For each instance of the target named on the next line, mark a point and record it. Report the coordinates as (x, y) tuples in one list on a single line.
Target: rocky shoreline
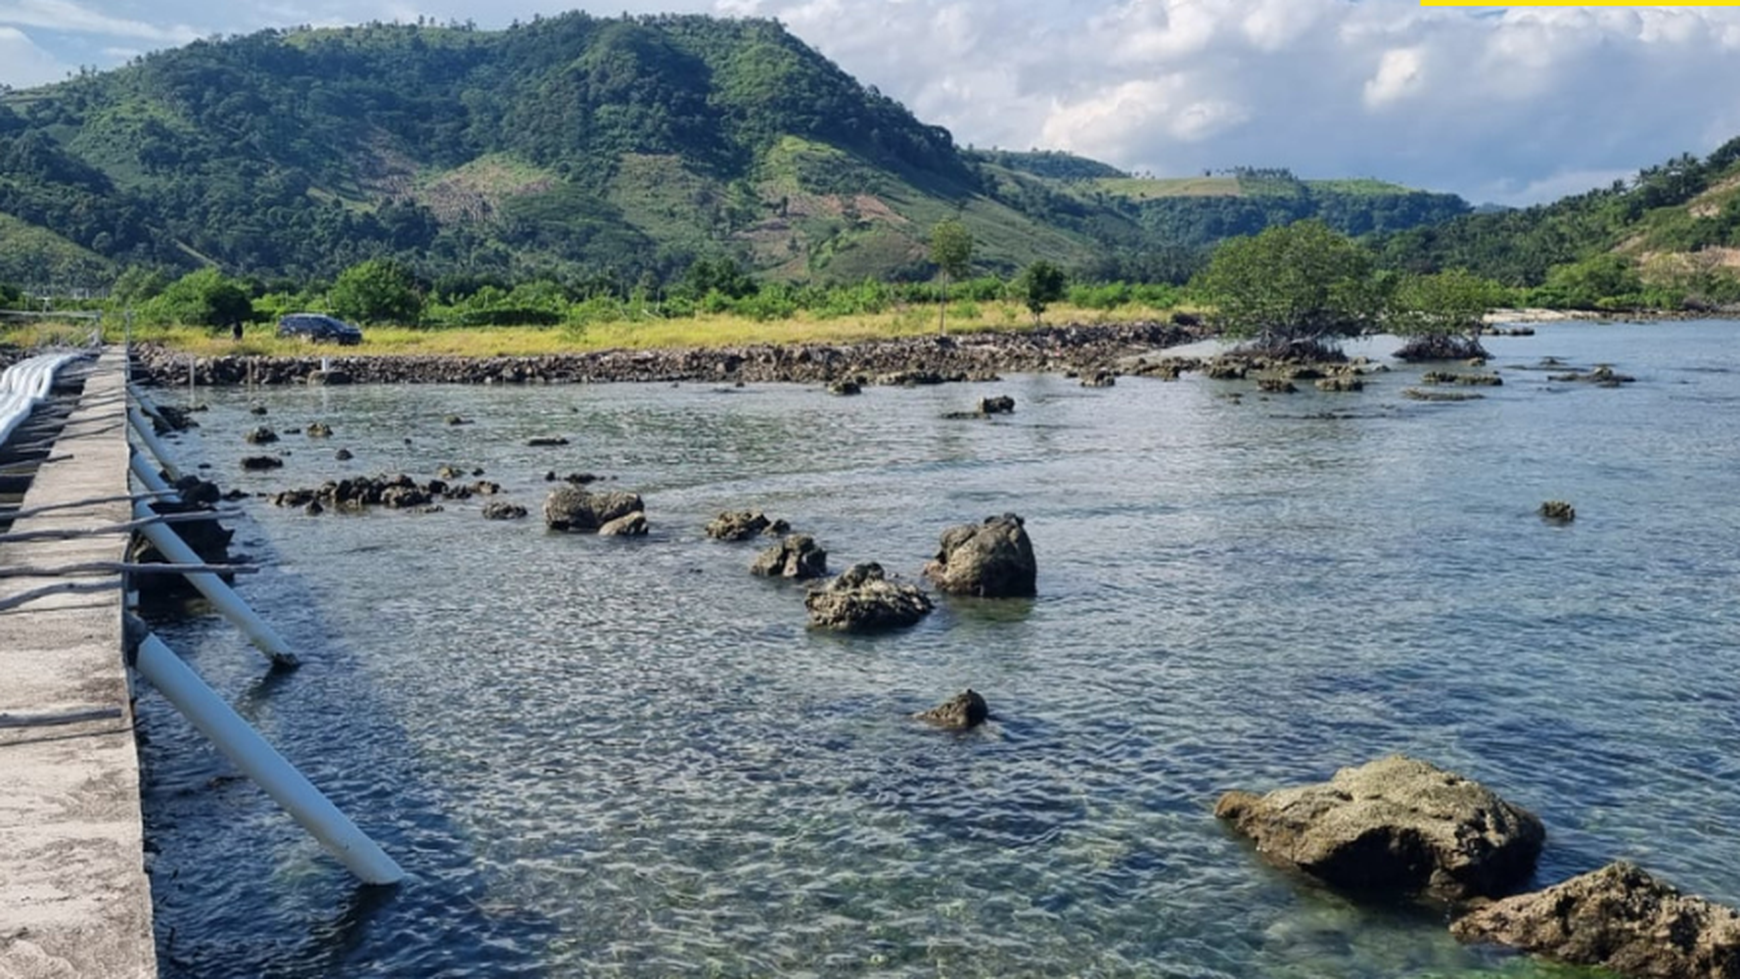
[(897, 361)]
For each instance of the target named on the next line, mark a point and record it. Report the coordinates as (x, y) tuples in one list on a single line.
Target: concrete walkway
[(74, 898)]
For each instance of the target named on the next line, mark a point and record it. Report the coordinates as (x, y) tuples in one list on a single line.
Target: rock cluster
[(862, 599), (902, 360), (1394, 826), (394, 492), (574, 509), (993, 559)]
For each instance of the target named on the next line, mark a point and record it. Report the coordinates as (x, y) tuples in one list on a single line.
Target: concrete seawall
[(74, 897)]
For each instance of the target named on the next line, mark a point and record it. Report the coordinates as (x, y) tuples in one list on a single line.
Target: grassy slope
[(850, 221), (30, 255)]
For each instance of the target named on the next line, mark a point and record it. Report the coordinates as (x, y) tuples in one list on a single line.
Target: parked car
[(319, 328)]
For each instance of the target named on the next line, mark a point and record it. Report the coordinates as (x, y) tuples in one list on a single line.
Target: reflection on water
[(630, 757)]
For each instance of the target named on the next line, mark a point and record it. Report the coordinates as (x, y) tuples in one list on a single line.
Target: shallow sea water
[(629, 757)]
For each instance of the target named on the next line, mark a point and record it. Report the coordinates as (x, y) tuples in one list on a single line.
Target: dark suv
[(319, 328)]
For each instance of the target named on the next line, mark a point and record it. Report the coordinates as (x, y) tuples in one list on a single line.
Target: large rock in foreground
[(1619, 918), (1394, 826), (862, 599), (991, 560), (572, 508)]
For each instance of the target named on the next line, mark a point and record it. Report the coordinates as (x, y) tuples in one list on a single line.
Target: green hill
[(1670, 236), (583, 148)]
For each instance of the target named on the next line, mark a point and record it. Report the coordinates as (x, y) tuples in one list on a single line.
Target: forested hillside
[(1668, 238), (577, 148)]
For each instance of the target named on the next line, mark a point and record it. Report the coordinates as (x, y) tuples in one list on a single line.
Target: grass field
[(521, 341), (1145, 188)]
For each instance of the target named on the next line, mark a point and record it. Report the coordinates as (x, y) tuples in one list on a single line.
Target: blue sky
[(1514, 106)]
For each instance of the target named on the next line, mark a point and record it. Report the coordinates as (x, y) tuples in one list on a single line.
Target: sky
[(1511, 106)]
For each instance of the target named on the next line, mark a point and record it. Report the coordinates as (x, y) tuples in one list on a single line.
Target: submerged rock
[(1394, 826), (1466, 380), (797, 556), (1417, 394), (1341, 383), (1618, 918), (962, 711), (502, 510), (259, 463), (993, 559), (1603, 375), (546, 441), (862, 599), (572, 508)]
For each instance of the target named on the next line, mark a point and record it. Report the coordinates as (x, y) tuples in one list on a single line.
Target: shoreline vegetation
[(887, 350)]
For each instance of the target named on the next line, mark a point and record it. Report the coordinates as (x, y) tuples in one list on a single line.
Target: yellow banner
[(1579, 3)]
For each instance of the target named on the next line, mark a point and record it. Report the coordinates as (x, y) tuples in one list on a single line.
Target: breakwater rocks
[(897, 361)]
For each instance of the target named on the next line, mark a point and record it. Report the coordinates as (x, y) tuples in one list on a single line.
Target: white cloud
[(1400, 73), (61, 15), (23, 64)]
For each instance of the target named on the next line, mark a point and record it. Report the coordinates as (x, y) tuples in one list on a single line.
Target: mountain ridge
[(573, 147)]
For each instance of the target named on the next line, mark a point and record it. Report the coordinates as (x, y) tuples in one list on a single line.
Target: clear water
[(615, 757)]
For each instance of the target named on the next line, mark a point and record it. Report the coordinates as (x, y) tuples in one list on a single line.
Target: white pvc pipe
[(148, 476), (145, 402), (222, 596), (142, 427), (181, 686)]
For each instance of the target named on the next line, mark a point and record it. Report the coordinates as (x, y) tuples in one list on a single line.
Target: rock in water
[(629, 525), (1558, 511), (1000, 404), (503, 511), (572, 508), (797, 556), (741, 525), (1394, 826), (263, 435), (863, 600), (962, 711), (991, 560), (1619, 918)]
